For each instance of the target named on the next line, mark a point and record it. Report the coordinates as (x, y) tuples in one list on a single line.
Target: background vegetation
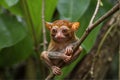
[(21, 34)]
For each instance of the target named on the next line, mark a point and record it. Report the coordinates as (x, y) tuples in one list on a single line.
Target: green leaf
[(11, 2), (72, 9), (8, 3), (11, 31), (101, 4), (16, 53), (14, 9), (50, 7), (32, 10), (3, 3)]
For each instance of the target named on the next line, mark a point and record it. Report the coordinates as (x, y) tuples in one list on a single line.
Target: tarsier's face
[(62, 30), (61, 34)]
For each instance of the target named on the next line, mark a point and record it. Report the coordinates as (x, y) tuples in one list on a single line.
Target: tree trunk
[(95, 65)]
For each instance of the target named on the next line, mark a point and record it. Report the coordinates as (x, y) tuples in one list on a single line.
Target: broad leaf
[(16, 9), (72, 9), (13, 6), (16, 53), (11, 2), (11, 31), (8, 3), (32, 10)]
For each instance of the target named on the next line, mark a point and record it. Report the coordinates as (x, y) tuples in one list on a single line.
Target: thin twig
[(91, 22), (43, 25), (95, 12), (119, 45), (90, 28)]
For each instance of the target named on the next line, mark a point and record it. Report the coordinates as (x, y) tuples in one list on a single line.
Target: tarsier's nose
[(59, 35)]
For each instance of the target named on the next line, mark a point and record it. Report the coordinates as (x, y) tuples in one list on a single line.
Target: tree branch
[(91, 27), (96, 10), (43, 25)]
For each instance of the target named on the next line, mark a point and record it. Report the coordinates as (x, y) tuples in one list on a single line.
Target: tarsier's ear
[(48, 25), (75, 26)]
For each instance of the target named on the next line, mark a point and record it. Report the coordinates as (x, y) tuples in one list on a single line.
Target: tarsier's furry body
[(60, 49)]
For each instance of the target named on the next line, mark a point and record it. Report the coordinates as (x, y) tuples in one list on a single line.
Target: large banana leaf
[(11, 31), (72, 9), (15, 44)]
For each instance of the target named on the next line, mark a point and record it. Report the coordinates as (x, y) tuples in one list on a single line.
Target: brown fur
[(62, 23)]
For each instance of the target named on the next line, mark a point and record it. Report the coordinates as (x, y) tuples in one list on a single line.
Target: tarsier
[(60, 49)]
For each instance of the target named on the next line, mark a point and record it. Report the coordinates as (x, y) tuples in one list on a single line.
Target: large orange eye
[(54, 31)]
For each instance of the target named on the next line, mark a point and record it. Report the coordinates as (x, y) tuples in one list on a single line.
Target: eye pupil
[(64, 30), (54, 31)]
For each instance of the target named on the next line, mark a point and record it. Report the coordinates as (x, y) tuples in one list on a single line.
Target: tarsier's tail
[(50, 76)]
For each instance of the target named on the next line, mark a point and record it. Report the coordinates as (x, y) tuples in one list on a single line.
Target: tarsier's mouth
[(60, 39)]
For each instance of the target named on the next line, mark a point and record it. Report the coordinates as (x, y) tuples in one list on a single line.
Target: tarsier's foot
[(56, 70)]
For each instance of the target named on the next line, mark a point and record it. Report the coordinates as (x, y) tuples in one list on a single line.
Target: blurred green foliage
[(19, 19)]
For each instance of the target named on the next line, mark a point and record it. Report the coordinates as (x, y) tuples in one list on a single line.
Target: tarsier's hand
[(69, 50), (66, 58)]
